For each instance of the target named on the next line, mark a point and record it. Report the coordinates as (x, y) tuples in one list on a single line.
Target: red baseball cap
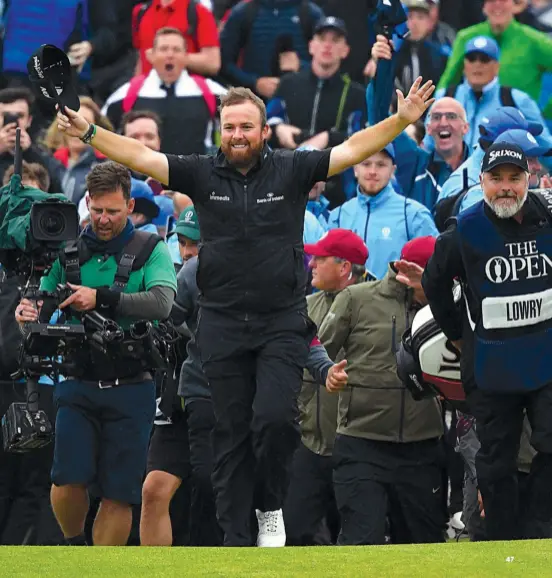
[(340, 243), (419, 250)]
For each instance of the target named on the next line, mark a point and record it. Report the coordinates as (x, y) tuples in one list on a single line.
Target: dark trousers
[(310, 497), (499, 419), (254, 370), (24, 478), (379, 480), (204, 527)]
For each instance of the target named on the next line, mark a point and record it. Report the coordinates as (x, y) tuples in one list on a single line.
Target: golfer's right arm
[(132, 154), (121, 149)]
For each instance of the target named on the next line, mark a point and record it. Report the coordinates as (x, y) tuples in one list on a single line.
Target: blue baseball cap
[(503, 119), (526, 142), (144, 199), (390, 150), (485, 45), (166, 209)]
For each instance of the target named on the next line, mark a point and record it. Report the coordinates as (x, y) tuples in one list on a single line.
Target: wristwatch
[(89, 134)]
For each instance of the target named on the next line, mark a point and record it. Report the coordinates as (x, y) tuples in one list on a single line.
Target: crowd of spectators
[(153, 71)]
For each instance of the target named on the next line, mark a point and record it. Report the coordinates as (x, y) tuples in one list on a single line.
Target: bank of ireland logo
[(497, 269)]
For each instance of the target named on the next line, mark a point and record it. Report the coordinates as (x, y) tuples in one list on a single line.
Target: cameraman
[(105, 413)]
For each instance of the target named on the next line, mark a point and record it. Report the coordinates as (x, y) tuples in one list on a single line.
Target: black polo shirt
[(251, 258)]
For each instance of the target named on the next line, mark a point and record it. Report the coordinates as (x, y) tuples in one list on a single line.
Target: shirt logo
[(524, 262), (214, 197), (270, 198), (386, 232)]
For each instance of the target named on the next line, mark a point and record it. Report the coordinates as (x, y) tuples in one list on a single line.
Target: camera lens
[(52, 223)]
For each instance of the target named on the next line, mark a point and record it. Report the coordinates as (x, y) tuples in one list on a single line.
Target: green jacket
[(367, 321), (525, 55), (317, 406)]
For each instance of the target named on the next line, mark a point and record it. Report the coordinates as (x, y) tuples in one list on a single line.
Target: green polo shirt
[(525, 55), (158, 271)]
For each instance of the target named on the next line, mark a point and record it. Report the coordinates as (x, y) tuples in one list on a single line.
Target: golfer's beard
[(243, 160), (506, 211)]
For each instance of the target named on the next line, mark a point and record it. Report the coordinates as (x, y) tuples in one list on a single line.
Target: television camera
[(34, 226)]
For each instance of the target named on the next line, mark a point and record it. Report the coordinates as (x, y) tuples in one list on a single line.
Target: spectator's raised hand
[(382, 48), (266, 86), (7, 137), (25, 140), (419, 99), (79, 53), (285, 134), (545, 182), (289, 62), (409, 274)]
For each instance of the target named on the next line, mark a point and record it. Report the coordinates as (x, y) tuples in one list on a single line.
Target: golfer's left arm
[(364, 144)]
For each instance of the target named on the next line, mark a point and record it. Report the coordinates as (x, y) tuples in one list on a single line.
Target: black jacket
[(251, 258), (193, 383), (312, 104)]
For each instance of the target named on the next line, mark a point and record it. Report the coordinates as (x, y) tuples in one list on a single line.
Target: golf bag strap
[(544, 196), (134, 256)]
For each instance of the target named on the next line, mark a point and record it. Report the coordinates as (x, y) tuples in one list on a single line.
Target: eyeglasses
[(437, 116), (475, 56)]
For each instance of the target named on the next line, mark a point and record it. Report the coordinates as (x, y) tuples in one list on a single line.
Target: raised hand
[(417, 102), (410, 274)]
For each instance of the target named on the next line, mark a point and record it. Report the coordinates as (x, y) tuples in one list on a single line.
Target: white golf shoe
[(272, 532)]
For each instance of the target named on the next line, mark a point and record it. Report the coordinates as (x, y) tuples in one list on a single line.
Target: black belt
[(109, 383)]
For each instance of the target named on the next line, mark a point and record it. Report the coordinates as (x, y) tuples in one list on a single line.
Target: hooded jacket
[(367, 321)]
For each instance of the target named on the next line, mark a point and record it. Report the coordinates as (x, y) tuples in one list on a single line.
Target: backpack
[(191, 17), (505, 94), (137, 82), (450, 206)]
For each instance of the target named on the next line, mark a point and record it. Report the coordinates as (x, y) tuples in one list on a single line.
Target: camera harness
[(132, 257)]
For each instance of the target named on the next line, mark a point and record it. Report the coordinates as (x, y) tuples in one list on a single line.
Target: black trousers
[(310, 497), (24, 478), (379, 480), (204, 527), (254, 370), (499, 419)]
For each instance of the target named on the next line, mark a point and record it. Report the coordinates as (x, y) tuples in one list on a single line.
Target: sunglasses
[(478, 56)]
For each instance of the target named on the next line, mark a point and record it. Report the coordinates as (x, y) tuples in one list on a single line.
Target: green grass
[(463, 560)]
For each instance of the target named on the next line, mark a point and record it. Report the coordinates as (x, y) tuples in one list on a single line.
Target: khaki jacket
[(367, 321), (317, 406)]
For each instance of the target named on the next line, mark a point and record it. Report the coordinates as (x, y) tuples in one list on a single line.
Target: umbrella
[(391, 22)]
